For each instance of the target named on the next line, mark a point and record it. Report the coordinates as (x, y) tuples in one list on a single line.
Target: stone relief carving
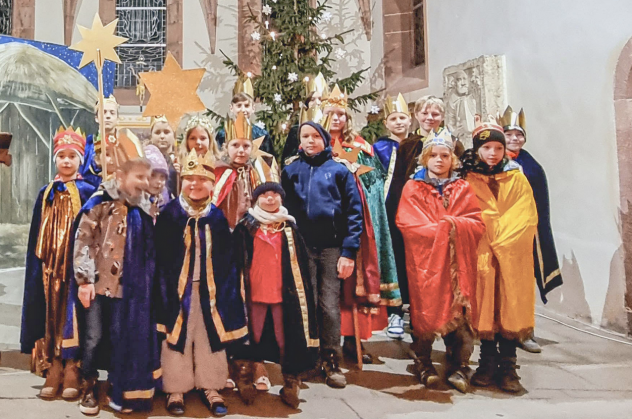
[(474, 87)]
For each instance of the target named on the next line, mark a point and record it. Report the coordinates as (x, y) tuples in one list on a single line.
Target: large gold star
[(101, 38), (173, 91)]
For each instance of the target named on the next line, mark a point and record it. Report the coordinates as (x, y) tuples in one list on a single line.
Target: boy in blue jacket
[(323, 197)]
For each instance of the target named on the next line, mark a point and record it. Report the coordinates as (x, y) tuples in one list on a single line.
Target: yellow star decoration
[(173, 91), (101, 38), (351, 157)]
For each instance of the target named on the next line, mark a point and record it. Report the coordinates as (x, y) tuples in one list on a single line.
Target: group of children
[(182, 268)]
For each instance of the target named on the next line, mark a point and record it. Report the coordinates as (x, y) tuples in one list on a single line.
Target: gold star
[(101, 38), (173, 91), (351, 157)]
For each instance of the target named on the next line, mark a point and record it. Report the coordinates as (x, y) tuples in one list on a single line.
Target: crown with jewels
[(439, 137), (316, 84), (195, 165), (244, 85), (313, 114), (510, 120), (337, 98), (396, 105), (69, 139), (199, 121), (238, 128)]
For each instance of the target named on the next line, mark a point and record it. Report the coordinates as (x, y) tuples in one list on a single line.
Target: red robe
[(441, 236)]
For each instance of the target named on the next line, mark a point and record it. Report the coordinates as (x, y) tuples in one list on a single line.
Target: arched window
[(419, 36), (144, 23), (6, 9)]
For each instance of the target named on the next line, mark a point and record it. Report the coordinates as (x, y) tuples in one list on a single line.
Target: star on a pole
[(173, 91), (98, 38)]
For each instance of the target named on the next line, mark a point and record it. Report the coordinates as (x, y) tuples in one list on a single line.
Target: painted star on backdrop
[(173, 91), (101, 38)]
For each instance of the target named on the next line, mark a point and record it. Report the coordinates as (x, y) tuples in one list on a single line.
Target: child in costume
[(198, 136), (371, 185), (547, 268), (397, 121), (243, 102), (202, 310), (158, 194), (441, 224), (114, 268), (505, 293), (163, 137), (48, 259), (324, 198), (274, 264), (91, 168)]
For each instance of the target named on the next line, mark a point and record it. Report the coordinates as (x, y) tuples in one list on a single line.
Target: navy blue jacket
[(323, 197)]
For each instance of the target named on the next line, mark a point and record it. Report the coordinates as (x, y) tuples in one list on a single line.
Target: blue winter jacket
[(323, 197)]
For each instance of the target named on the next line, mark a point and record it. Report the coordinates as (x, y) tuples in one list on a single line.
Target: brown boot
[(243, 374), (71, 381), (89, 402), (289, 392), (53, 380)]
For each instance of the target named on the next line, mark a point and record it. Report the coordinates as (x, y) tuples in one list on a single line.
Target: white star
[(374, 110), (278, 97), (266, 10), (255, 36), (292, 77), (260, 124), (340, 53), (326, 17)]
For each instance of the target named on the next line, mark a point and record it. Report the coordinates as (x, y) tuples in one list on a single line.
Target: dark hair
[(242, 97), (129, 165)]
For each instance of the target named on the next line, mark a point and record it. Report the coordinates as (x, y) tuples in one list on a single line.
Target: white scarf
[(271, 217)]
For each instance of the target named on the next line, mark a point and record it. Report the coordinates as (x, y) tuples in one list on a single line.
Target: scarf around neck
[(266, 218)]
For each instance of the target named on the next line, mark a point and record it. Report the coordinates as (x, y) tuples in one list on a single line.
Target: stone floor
[(582, 373)]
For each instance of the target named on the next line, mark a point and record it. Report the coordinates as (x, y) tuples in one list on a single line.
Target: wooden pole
[(356, 332), (99, 65)]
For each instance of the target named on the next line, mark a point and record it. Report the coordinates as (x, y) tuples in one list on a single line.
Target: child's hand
[(176, 166), (345, 267), (86, 294)]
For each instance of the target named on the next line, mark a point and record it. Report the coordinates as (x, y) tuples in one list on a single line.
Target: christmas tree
[(292, 48)]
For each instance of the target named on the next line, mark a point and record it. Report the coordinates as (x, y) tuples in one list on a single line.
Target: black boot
[(243, 374), (508, 379), (349, 351), (487, 364), (424, 369), (89, 402), (334, 377)]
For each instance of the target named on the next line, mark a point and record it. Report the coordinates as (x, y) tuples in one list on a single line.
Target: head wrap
[(156, 159)]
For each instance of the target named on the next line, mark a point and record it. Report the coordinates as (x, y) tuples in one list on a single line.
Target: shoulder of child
[(291, 160)]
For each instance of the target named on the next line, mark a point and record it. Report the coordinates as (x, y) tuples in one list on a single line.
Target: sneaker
[(215, 403), (530, 345), (175, 404), (334, 377), (118, 408), (395, 328), (89, 402)]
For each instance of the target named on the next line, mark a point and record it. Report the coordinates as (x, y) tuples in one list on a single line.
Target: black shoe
[(426, 373), (487, 365), (349, 351), (334, 377), (175, 404), (508, 379), (89, 402)]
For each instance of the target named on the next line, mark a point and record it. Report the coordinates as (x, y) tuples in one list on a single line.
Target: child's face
[(429, 117), (110, 116), (135, 181), (245, 106), (157, 183), (67, 162), (269, 201), (398, 123), (199, 140), (312, 142), (492, 153), (338, 118), (440, 161), (197, 188), (162, 137), (315, 100), (239, 151), (515, 140)]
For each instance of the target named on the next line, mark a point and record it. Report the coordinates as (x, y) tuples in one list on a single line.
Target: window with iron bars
[(144, 23), (6, 9)]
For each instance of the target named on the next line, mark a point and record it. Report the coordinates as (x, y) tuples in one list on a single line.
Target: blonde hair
[(427, 101), (425, 156), (184, 150)]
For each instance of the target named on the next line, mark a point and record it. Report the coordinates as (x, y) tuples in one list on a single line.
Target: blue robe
[(34, 304), (386, 151), (89, 170), (547, 268), (133, 361), (226, 320)]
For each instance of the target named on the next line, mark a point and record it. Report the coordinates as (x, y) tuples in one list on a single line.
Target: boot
[(89, 402), (53, 380), (424, 369), (487, 364), (244, 379), (459, 379), (289, 392), (349, 351), (509, 380), (71, 381), (334, 377)]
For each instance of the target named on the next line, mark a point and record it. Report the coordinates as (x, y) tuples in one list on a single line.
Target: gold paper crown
[(195, 165), (396, 105), (199, 121), (441, 136), (156, 119), (78, 131), (314, 114), (511, 120), (316, 84), (244, 85), (264, 172), (238, 128), (336, 98), (110, 99)]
